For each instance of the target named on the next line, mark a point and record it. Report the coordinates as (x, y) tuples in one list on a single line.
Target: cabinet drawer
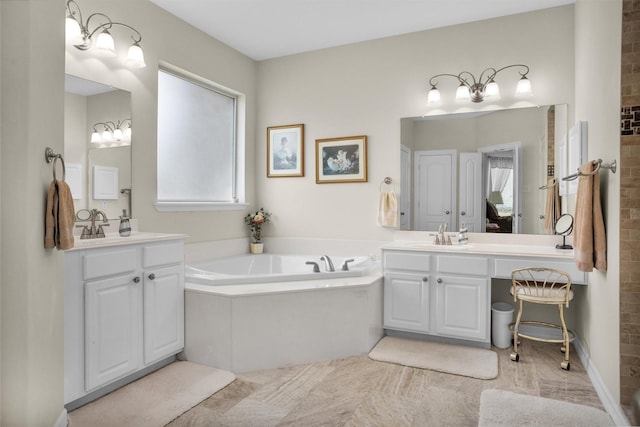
[(412, 261), (478, 266), (109, 262), (504, 267), (162, 254)]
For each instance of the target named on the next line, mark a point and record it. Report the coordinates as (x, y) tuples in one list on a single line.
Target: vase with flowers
[(255, 222)]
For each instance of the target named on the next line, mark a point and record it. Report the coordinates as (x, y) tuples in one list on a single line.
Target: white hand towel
[(388, 209)]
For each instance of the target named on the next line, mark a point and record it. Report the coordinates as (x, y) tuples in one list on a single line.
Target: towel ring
[(387, 181), (64, 169)]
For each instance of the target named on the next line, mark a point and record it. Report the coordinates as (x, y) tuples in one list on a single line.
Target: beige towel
[(552, 211), (388, 209), (589, 241), (60, 217)]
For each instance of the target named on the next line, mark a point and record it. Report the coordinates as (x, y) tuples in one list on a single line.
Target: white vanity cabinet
[(437, 294), (124, 311)]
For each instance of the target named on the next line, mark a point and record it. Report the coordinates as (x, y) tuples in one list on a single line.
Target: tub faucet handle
[(316, 268), (345, 266)]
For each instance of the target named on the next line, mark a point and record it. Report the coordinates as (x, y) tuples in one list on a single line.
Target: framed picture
[(341, 159), (285, 151)]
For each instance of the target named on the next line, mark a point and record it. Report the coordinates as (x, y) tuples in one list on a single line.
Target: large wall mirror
[(97, 146), (482, 170)]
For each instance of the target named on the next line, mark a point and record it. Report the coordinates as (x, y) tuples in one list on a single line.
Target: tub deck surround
[(114, 239)]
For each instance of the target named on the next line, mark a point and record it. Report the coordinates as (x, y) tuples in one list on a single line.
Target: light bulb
[(434, 96), (135, 56), (462, 93), (95, 137), (524, 87), (492, 90), (117, 134), (105, 45), (72, 31)]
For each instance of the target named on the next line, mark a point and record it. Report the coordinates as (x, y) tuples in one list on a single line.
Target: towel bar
[(612, 166)]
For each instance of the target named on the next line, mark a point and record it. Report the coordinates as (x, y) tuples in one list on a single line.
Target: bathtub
[(269, 268), (253, 312)]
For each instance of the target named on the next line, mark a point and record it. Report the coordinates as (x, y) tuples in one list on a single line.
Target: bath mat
[(452, 359), (504, 408), (154, 400)]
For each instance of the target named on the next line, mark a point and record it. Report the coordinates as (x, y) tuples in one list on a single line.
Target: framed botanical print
[(285, 151), (341, 159)]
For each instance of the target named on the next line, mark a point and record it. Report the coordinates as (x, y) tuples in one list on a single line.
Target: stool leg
[(565, 340), (514, 354)]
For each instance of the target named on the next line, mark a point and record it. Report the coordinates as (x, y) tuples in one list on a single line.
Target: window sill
[(198, 206)]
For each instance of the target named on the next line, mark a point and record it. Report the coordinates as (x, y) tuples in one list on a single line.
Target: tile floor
[(358, 391)]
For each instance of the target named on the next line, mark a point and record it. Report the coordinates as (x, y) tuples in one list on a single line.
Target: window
[(198, 144)]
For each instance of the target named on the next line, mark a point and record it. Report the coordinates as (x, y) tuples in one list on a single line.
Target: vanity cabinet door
[(406, 301), (112, 329), (163, 312), (462, 309)]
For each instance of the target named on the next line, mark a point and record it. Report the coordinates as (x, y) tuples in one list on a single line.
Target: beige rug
[(154, 400), (451, 359), (504, 408)]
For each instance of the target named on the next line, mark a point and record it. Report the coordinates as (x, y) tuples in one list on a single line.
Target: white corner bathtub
[(269, 268), (252, 312)]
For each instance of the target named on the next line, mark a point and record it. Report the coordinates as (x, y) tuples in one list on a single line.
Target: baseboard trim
[(62, 419), (610, 404)]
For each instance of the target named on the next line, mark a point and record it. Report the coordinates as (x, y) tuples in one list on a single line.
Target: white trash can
[(501, 317)]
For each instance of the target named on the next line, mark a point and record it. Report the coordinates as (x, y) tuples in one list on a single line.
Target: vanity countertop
[(503, 249), (115, 240)]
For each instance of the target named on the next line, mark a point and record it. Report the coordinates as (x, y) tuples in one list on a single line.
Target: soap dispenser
[(125, 225)]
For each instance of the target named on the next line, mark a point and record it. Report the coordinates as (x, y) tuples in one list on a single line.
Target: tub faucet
[(327, 262)]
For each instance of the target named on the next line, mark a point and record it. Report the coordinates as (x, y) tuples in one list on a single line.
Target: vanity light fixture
[(80, 35), (483, 87), (119, 133)]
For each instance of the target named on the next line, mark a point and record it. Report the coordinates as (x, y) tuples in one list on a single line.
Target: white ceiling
[(263, 29)]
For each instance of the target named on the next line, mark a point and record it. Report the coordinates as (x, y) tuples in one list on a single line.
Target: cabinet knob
[(136, 279), (425, 279), (439, 280), (463, 213), (151, 276), (447, 212)]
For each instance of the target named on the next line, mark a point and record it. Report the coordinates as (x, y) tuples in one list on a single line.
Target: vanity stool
[(536, 285)]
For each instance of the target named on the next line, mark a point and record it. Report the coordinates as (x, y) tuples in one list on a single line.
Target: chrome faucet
[(327, 262)]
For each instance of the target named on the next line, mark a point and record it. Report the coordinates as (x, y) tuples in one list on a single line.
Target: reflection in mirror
[(88, 104), (480, 170)]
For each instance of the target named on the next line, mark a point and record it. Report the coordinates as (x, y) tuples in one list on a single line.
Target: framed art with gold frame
[(285, 151), (341, 159)]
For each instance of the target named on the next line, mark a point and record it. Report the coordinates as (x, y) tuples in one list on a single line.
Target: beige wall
[(167, 39), (32, 284), (366, 88), (597, 82)]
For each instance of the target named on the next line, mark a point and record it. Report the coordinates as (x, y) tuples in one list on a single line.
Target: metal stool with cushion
[(542, 286)]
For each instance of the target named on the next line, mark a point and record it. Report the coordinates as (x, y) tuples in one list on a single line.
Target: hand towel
[(552, 211), (60, 217), (589, 241), (388, 209)]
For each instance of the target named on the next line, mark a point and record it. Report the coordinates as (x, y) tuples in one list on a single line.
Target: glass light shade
[(462, 93), (135, 56), (492, 90), (118, 134), (95, 137), (434, 96), (105, 45), (107, 136), (127, 133), (524, 87), (72, 31)]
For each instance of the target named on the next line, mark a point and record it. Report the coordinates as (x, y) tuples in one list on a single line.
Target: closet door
[(435, 182), (471, 197)]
